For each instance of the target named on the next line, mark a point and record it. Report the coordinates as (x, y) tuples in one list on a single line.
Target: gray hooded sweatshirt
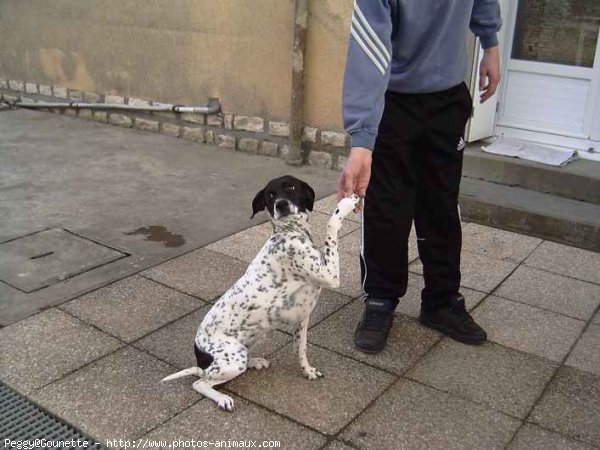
[(408, 46)]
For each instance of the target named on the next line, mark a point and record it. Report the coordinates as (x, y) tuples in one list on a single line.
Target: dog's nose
[(282, 206)]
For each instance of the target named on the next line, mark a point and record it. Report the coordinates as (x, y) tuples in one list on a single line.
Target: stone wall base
[(257, 135)]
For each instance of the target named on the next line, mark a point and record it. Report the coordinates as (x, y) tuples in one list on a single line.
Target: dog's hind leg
[(230, 360)]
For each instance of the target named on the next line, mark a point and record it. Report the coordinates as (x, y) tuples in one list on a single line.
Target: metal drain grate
[(21, 420)]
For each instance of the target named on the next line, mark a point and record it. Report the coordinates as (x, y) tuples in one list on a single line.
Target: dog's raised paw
[(258, 363), (312, 373), (347, 205)]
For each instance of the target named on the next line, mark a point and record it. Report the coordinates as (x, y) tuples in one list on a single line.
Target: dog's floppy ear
[(258, 204), (307, 195)]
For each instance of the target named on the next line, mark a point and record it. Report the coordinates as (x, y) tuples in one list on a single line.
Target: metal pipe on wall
[(296, 155), (213, 107)]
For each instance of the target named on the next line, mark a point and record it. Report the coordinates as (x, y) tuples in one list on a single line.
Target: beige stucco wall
[(327, 42), (180, 52)]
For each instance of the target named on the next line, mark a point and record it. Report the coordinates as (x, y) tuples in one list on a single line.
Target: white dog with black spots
[(279, 289)]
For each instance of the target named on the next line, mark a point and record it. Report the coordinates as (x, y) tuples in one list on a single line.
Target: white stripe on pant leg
[(362, 245)]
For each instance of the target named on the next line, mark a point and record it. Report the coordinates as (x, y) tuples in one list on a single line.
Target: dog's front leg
[(312, 373), (330, 255)]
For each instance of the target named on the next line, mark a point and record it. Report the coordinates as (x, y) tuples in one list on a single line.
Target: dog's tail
[(185, 373)]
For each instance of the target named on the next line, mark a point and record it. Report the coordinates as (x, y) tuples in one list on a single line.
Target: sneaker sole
[(451, 333), (367, 350)]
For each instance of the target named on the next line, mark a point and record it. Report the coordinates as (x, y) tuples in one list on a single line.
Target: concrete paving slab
[(531, 437), (117, 397), (478, 272), (202, 273), (174, 343), (557, 293), (104, 182), (571, 406), (45, 347), (410, 304), (326, 404), (38, 260), (351, 244), (496, 243), (586, 354), (350, 281), (205, 422), (243, 245), (408, 340), (565, 260), (528, 329), (328, 303), (414, 416), (132, 308), (500, 378)]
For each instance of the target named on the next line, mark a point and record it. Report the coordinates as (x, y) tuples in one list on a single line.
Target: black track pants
[(416, 172)]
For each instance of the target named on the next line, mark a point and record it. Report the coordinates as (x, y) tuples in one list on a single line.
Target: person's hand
[(489, 73), (355, 176)]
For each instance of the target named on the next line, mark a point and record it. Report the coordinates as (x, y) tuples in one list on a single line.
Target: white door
[(551, 80)]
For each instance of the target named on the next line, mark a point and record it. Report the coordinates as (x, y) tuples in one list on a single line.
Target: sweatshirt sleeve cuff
[(489, 40), (362, 138)]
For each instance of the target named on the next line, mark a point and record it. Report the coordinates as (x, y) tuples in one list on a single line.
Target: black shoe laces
[(459, 310), (375, 320)]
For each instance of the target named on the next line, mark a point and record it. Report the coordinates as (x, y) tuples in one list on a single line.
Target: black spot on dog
[(203, 359)]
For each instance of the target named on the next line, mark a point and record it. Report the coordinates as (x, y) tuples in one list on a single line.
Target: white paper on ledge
[(516, 148)]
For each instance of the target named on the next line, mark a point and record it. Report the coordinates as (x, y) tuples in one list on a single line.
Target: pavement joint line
[(72, 371), (512, 300), (398, 377), (146, 277), (96, 241), (29, 234), (166, 324), (272, 411), (461, 397), (596, 283), (168, 419), (552, 378)]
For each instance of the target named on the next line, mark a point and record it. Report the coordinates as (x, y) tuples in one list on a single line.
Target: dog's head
[(284, 196)]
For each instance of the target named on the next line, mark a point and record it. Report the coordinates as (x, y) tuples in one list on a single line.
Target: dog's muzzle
[(283, 208)]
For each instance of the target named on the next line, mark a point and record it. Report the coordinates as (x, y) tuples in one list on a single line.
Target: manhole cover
[(39, 260), (24, 425)]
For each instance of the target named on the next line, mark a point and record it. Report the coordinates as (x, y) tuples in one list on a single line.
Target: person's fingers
[(341, 184), (349, 181)]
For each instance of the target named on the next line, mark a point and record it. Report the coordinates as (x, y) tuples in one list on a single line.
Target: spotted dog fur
[(279, 289)]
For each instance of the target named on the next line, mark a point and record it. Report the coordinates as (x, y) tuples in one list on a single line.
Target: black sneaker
[(454, 321), (374, 327)]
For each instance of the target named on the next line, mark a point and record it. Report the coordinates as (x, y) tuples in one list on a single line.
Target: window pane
[(557, 31)]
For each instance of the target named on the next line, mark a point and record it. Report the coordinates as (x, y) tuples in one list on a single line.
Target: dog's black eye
[(271, 195), (290, 188)]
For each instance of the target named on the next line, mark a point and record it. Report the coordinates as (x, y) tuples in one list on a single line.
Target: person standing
[(405, 107)]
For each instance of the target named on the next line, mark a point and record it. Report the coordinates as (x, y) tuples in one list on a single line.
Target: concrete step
[(530, 212), (579, 180)]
